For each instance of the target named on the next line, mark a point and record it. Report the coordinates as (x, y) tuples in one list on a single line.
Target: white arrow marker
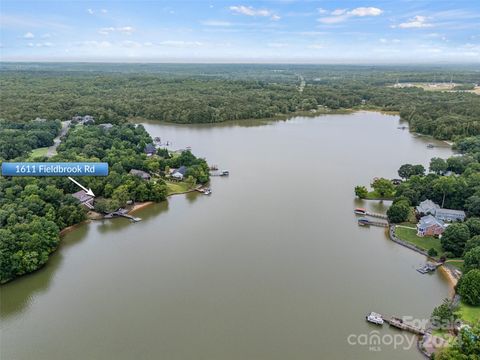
[(88, 191)]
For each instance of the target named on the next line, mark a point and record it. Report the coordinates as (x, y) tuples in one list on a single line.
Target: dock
[(428, 267), (376, 215), (398, 323), (122, 213), (367, 222)]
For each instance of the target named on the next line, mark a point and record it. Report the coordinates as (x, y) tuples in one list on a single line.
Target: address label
[(54, 169)]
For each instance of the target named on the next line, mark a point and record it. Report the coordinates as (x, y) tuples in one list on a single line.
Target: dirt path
[(52, 150)]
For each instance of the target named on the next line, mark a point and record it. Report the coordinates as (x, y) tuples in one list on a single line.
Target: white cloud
[(366, 11), (40, 44), (416, 22), (250, 11), (104, 11), (216, 23), (322, 11), (90, 11), (28, 35), (46, 36), (126, 30), (315, 46), (339, 12), (340, 15)]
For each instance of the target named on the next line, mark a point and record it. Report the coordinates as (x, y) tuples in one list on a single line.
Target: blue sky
[(357, 31)]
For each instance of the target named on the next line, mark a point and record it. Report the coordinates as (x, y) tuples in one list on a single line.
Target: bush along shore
[(33, 211)]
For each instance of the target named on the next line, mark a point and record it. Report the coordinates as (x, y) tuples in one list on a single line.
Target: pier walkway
[(122, 213)]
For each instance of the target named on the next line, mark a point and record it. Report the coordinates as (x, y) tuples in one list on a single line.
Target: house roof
[(450, 212), (182, 170), (140, 173), (82, 196), (150, 148), (427, 206), (429, 220)]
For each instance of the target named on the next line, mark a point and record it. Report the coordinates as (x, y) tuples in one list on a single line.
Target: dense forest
[(19, 138), (34, 210), (216, 93)]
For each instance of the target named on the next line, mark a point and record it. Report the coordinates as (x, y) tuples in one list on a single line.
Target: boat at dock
[(427, 268), (375, 318), (360, 211), (207, 191), (122, 213)]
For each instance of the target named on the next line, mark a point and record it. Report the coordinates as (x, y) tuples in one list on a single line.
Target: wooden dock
[(399, 324), (122, 213), (368, 222), (376, 215)]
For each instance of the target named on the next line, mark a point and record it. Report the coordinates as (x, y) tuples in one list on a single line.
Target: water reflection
[(16, 295)]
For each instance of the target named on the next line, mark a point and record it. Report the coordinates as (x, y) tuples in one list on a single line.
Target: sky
[(283, 31)]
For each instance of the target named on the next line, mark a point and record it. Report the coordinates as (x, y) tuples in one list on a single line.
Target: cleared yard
[(469, 313), (426, 243), (176, 187), (38, 153)]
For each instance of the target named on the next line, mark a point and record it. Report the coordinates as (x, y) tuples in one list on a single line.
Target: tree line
[(210, 95)]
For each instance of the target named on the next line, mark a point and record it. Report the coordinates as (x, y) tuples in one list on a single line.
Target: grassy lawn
[(426, 242), (38, 152), (373, 195), (469, 313), (457, 263), (176, 187)]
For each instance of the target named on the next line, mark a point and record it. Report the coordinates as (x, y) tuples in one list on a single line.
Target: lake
[(272, 265)]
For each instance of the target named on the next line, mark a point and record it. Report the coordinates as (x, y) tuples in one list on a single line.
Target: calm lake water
[(271, 266)]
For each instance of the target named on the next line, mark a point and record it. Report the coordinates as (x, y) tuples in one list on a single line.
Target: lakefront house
[(428, 207), (430, 226)]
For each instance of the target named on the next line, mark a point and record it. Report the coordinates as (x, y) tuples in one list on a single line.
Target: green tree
[(444, 315), (432, 252), (472, 259), (398, 212), (383, 187), (445, 185), (454, 238), (472, 205), (438, 165), (468, 287), (473, 242), (474, 226), (361, 192), (408, 170)]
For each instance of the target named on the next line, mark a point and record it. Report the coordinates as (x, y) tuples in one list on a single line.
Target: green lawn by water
[(425, 243), (176, 187), (469, 313), (373, 195)]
